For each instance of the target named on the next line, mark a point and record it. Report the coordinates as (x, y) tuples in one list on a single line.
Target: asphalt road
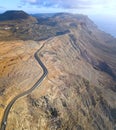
[(7, 110)]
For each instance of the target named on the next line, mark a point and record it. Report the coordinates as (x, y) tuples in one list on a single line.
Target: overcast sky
[(89, 7)]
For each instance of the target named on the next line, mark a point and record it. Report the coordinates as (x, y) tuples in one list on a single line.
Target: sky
[(89, 7)]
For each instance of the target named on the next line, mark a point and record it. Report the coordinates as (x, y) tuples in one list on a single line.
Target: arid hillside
[(16, 59), (79, 92)]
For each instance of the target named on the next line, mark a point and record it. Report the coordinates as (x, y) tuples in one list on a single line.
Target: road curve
[(7, 110)]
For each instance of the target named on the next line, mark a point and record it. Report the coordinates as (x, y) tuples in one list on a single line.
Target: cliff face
[(79, 91)]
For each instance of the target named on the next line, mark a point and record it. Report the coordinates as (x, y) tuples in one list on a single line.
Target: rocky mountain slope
[(17, 25), (79, 92)]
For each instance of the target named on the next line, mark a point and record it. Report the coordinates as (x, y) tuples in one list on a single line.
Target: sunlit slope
[(79, 91)]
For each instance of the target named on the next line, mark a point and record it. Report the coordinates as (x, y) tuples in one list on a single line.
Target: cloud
[(71, 4), (31, 1), (1, 7), (59, 3)]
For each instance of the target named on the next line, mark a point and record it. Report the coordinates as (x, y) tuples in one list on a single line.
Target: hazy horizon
[(105, 7), (101, 12), (104, 23)]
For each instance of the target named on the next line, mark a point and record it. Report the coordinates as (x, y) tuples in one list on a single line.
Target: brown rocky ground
[(71, 98), (19, 69), (79, 91)]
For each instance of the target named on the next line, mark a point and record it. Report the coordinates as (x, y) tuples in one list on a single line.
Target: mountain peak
[(14, 15)]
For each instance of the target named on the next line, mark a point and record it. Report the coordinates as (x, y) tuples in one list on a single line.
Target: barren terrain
[(79, 92), (19, 70)]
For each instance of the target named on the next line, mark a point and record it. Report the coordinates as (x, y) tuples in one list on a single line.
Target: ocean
[(105, 23)]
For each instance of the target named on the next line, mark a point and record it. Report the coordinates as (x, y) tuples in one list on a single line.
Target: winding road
[(7, 110)]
